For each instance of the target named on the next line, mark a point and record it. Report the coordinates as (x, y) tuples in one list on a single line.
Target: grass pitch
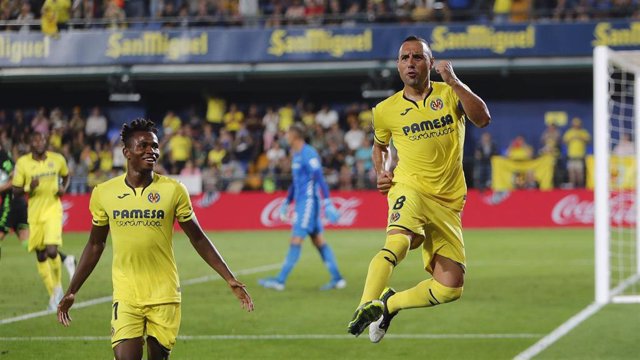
[(521, 284)]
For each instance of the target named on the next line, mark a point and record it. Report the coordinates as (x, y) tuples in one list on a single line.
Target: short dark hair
[(417, 38), (138, 124)]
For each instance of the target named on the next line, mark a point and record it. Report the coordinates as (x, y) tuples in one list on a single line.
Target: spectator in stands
[(76, 123), (179, 149), (190, 169), (171, 123), (365, 116), (40, 123), (215, 113), (62, 11), (501, 11), (550, 145), (25, 18), (625, 147), (354, 138), (576, 138), (233, 119), (326, 117), (484, 150), (295, 13), (270, 123), (519, 150), (114, 15), (286, 115), (96, 125), (217, 155), (275, 155), (365, 174)]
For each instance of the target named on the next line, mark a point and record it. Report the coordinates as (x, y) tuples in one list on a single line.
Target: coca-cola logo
[(573, 210), (347, 207), (66, 205)]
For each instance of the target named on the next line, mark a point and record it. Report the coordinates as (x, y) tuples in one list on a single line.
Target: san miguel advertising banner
[(368, 210), (374, 42)]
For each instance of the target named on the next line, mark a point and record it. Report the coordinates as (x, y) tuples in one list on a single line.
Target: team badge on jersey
[(153, 197), (395, 216), (436, 104)]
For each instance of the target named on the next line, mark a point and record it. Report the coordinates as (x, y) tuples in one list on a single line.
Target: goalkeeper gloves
[(284, 210), (330, 211)]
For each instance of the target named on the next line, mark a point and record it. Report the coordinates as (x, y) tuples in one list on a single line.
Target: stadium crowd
[(53, 15), (235, 147)]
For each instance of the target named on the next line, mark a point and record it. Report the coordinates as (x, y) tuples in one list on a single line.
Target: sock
[(289, 262), (330, 261), (381, 266), (56, 270), (426, 293), (44, 269)]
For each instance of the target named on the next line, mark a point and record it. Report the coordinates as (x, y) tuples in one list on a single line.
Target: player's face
[(38, 144), (414, 63), (143, 151)]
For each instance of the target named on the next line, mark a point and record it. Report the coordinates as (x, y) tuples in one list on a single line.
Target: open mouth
[(150, 160)]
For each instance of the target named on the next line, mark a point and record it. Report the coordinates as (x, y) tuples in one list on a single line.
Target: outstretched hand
[(240, 291), (63, 309), (330, 211), (384, 181)]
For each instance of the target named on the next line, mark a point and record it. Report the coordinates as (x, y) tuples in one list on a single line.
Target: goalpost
[(616, 111)]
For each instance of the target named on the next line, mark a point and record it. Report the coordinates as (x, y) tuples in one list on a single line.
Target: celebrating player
[(140, 208), (426, 191), (307, 178), (44, 176)]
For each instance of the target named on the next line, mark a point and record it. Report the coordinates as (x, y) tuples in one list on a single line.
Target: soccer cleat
[(379, 328), (55, 298), (334, 284), (365, 314), (271, 283), (70, 263)]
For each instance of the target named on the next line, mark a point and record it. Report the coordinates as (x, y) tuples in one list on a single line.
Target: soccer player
[(426, 191), (140, 208), (307, 180), (13, 213), (44, 176)]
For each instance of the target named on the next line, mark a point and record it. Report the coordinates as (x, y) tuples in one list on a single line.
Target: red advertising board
[(368, 210)]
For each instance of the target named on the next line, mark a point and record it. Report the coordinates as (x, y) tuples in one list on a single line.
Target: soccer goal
[(616, 110)]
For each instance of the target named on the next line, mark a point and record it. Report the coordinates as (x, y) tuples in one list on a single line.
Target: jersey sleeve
[(19, 175), (99, 215), (381, 134), (184, 210)]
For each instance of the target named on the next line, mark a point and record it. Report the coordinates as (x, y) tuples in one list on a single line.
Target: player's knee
[(444, 294)]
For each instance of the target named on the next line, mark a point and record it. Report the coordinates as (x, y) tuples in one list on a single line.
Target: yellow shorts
[(45, 233), (440, 226), (130, 321)]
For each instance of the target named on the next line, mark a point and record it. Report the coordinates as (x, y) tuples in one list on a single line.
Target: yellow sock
[(44, 269), (56, 270), (381, 266), (426, 293)]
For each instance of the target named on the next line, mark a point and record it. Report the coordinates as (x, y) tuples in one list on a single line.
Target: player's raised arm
[(474, 107), (211, 256), (90, 256)]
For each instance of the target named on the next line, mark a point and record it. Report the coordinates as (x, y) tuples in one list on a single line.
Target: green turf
[(521, 284)]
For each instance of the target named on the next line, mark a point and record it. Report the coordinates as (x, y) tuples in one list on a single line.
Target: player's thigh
[(443, 235), (36, 236), (163, 323), (53, 231), (127, 322), (405, 210), (305, 221)]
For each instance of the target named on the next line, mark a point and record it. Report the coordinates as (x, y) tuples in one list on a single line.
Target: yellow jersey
[(44, 202), (429, 138), (141, 223), (576, 140)]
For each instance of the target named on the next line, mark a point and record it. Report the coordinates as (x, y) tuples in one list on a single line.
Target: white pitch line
[(106, 299), (280, 337), (559, 332)]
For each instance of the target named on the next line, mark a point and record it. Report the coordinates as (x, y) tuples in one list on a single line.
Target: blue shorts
[(306, 219)]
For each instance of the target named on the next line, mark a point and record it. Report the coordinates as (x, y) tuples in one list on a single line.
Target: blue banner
[(375, 42)]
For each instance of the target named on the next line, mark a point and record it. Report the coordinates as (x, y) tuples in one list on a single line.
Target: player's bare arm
[(379, 156), (211, 256), (64, 185), (90, 256), (474, 107)]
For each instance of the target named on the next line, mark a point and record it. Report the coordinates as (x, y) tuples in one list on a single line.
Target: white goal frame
[(602, 151)]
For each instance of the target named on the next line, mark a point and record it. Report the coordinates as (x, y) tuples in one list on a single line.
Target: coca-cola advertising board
[(368, 210)]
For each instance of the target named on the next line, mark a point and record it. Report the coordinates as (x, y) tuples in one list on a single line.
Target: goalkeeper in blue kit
[(307, 183)]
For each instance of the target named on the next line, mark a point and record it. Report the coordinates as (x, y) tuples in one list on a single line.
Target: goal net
[(617, 184)]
